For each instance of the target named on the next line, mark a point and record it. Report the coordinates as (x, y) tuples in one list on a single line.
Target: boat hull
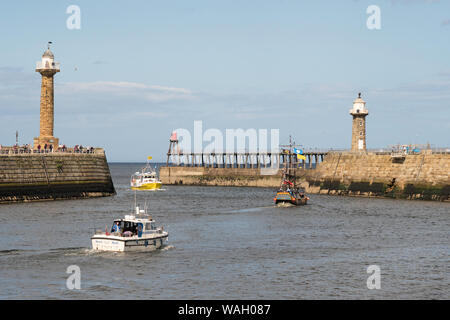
[(285, 199), (148, 186), (122, 244)]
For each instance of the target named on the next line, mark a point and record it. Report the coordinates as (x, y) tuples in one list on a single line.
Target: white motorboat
[(135, 232)]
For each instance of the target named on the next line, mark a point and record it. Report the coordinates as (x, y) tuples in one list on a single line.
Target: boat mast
[(289, 159), (291, 151)]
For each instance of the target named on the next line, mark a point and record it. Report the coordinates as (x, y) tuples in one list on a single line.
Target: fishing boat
[(289, 193), (146, 179), (135, 232)]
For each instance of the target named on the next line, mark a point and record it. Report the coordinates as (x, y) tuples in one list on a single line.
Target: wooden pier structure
[(244, 159), (252, 160)]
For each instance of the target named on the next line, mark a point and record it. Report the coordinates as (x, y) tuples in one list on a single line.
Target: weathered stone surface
[(218, 177), (420, 176), (358, 132), (33, 177), (378, 175), (47, 115)]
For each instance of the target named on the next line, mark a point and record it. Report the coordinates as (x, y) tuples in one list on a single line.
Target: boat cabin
[(129, 227), (145, 175)]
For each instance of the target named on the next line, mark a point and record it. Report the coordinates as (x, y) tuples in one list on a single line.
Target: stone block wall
[(425, 175), (34, 177), (419, 176), (242, 177)]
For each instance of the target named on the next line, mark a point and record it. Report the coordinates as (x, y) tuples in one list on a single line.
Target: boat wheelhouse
[(135, 232)]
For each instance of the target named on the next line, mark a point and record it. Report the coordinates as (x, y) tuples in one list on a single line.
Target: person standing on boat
[(116, 227)]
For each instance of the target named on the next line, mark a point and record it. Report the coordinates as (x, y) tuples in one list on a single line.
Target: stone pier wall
[(241, 177), (51, 176), (420, 176)]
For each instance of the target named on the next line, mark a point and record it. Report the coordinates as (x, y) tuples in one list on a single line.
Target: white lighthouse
[(359, 113)]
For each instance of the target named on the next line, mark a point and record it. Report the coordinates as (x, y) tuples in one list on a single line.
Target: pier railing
[(441, 150), (245, 159), (269, 160), (41, 66), (27, 150)]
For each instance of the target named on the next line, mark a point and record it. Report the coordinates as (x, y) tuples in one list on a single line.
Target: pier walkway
[(244, 159)]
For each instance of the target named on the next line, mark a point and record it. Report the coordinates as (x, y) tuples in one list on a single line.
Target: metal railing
[(358, 111), (29, 150), (47, 65)]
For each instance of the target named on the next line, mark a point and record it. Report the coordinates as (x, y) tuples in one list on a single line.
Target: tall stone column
[(359, 113), (47, 68), (47, 114)]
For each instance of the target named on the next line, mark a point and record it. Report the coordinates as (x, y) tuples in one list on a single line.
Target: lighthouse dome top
[(48, 54), (359, 99), (47, 63), (359, 106)]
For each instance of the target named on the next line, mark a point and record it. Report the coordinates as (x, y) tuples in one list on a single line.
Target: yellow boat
[(148, 186), (147, 179)]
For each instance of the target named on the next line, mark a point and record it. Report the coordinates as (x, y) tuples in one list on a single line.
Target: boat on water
[(290, 196), (135, 232), (289, 193), (146, 179)]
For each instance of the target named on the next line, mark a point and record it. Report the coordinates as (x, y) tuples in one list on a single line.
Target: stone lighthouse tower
[(47, 67), (359, 113)]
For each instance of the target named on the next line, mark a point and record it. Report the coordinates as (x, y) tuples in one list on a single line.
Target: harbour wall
[(53, 176), (424, 176), (239, 177)]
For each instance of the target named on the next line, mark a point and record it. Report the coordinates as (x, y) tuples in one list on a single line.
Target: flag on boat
[(299, 153), (149, 158)]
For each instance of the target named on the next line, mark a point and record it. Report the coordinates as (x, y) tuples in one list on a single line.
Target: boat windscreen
[(130, 226)]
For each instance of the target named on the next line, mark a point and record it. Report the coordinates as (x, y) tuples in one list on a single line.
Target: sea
[(228, 243)]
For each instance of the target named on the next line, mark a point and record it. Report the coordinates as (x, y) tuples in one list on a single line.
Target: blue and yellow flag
[(298, 151)]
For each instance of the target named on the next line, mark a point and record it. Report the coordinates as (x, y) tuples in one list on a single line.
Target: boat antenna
[(145, 206), (148, 162)]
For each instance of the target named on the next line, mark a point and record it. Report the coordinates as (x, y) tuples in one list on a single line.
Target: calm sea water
[(229, 243)]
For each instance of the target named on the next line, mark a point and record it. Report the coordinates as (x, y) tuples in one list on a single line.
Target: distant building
[(359, 113)]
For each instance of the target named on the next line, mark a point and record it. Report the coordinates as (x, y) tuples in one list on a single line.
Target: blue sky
[(136, 70)]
